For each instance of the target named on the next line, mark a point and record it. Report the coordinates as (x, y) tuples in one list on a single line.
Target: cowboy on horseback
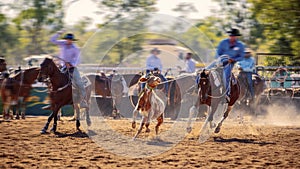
[(69, 54), (229, 51), (247, 67), (154, 65)]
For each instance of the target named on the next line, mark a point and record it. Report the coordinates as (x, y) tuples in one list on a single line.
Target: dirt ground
[(237, 146)]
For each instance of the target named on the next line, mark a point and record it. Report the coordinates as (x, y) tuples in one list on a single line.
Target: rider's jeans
[(227, 77), (249, 82), (78, 82)]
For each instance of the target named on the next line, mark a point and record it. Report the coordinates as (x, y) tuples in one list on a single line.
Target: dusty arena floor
[(237, 146)]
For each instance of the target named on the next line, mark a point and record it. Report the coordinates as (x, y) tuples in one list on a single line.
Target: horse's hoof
[(217, 130), (17, 117), (189, 129), (23, 116), (88, 122), (43, 131), (133, 125), (147, 130), (53, 129), (77, 124), (212, 125)]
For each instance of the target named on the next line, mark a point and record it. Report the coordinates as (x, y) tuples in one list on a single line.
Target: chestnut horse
[(210, 93), (18, 90), (61, 93)]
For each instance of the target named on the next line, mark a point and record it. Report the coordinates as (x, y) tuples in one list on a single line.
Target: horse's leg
[(45, 128), (115, 111), (147, 125), (217, 130), (135, 113), (87, 109), (140, 128), (22, 107), (160, 120), (77, 115), (192, 111), (54, 127), (211, 111), (15, 110), (6, 113), (87, 116)]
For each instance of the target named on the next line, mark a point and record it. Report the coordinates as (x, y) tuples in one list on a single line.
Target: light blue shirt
[(247, 64), (235, 52), (153, 62), (69, 53), (190, 66)]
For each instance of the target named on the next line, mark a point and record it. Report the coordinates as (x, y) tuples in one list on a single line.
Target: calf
[(149, 105)]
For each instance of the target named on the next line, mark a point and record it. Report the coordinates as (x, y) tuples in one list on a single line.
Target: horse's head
[(46, 69), (151, 80), (204, 86)]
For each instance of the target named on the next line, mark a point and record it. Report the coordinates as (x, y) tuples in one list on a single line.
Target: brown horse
[(18, 90), (108, 87), (173, 94), (210, 93), (61, 93), (259, 87), (150, 105)]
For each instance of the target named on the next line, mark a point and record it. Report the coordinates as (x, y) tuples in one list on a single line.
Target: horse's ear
[(203, 74)]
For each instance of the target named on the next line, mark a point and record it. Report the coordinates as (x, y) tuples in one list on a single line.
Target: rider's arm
[(54, 39), (220, 49)]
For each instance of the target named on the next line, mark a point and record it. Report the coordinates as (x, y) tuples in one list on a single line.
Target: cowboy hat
[(69, 36), (155, 49), (234, 32)]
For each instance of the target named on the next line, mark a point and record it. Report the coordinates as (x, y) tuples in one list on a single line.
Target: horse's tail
[(172, 90)]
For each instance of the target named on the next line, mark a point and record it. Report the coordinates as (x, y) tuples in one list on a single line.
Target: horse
[(19, 91), (149, 105), (259, 87), (173, 94), (210, 93), (61, 93), (108, 87)]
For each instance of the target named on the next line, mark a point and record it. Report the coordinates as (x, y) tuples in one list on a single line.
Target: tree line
[(267, 26)]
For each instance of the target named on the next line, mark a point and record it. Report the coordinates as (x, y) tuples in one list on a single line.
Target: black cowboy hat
[(234, 32), (69, 36)]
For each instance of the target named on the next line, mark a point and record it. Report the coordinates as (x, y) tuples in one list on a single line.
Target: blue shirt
[(247, 64), (235, 52), (190, 66), (69, 53), (153, 62)]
